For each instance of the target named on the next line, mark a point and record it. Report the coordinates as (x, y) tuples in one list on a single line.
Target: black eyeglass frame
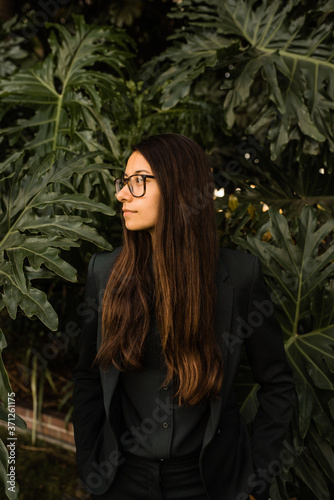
[(127, 183)]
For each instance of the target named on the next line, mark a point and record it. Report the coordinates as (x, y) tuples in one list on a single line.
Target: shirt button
[(165, 425), (218, 432), (161, 459), (165, 387)]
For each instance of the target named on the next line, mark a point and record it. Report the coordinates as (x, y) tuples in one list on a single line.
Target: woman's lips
[(128, 212)]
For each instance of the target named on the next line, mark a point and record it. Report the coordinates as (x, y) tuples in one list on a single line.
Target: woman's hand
[(251, 497)]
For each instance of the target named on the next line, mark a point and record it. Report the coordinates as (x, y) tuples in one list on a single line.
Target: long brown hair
[(176, 281)]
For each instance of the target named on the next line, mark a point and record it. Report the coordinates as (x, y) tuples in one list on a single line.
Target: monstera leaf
[(299, 267), (260, 73), (284, 46), (66, 92), (298, 458), (40, 217), (274, 61), (11, 51)]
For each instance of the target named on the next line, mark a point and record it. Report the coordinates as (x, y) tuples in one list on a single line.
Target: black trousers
[(141, 479)]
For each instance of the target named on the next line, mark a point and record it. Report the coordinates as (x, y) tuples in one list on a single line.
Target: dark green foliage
[(299, 266), (253, 82), (259, 69)]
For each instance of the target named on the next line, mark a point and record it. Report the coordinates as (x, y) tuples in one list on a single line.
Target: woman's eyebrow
[(137, 172)]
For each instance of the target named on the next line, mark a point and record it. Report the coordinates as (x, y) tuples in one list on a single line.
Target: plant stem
[(33, 385)]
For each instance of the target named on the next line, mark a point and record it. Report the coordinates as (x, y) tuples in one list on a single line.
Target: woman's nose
[(124, 194)]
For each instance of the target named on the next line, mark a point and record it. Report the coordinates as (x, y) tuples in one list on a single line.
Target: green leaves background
[(66, 92), (52, 167), (253, 83), (299, 269), (260, 69), (34, 232)]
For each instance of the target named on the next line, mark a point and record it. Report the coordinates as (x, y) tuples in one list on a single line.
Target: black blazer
[(231, 465)]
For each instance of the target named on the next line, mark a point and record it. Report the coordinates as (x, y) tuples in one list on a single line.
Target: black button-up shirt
[(155, 426)]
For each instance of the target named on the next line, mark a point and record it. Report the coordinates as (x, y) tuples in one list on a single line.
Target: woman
[(165, 321)]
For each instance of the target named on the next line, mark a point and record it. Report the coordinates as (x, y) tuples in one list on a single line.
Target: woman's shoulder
[(236, 257), (236, 266), (101, 264), (105, 258)]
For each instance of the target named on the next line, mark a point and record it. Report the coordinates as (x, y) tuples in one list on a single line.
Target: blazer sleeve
[(265, 351), (88, 412)]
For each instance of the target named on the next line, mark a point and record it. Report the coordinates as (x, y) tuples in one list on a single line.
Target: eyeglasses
[(136, 184)]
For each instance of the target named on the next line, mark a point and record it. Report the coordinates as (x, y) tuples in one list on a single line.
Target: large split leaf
[(274, 61), (11, 52), (193, 56), (296, 270), (284, 46), (311, 460), (41, 217), (55, 111), (299, 266), (67, 93), (311, 357)]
